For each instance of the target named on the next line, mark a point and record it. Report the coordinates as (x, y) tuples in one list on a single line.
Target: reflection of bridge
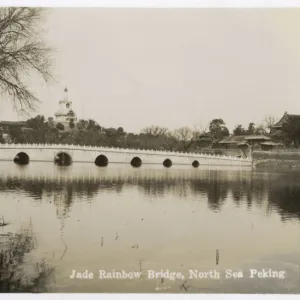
[(101, 156), (114, 173), (84, 181)]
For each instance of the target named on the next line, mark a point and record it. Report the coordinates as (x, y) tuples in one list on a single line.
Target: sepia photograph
[(149, 150)]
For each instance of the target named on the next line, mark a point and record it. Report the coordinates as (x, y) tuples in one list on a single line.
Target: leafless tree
[(186, 136), (261, 129), (155, 130), (183, 134), (199, 130), (22, 53), (269, 121)]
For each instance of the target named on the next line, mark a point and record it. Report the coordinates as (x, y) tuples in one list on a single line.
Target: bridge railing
[(126, 150)]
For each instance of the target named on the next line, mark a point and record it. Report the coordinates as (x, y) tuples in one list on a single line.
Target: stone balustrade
[(103, 149)]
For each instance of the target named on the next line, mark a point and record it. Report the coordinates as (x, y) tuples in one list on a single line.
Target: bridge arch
[(195, 164), (101, 161), (22, 158), (167, 163), (136, 162), (63, 158)]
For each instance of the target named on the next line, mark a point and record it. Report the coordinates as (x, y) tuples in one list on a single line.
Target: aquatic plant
[(14, 251)]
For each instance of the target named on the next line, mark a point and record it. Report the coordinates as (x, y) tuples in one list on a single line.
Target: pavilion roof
[(233, 139), (257, 138)]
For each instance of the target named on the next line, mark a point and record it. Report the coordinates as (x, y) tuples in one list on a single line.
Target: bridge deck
[(77, 153)]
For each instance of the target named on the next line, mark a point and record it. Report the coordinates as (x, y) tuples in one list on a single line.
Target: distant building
[(277, 131), (270, 145), (256, 141), (65, 114), (6, 126), (204, 141), (285, 119), (230, 142), (238, 141)]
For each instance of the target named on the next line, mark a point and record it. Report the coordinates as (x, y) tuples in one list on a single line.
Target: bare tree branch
[(183, 133), (22, 52), (270, 121), (155, 130)]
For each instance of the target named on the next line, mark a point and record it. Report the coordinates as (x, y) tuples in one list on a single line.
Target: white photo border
[(153, 4), (156, 3)]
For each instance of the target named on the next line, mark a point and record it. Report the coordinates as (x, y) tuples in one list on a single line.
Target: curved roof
[(286, 117), (233, 139), (257, 137)]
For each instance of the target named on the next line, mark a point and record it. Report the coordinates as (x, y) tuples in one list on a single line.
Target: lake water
[(152, 218)]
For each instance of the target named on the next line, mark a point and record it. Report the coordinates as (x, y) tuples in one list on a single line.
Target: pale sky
[(172, 67)]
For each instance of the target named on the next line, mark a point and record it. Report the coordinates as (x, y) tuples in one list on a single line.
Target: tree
[(93, 125), (82, 124), (260, 130), (52, 135), (39, 128), (16, 134), (71, 123), (217, 129), (36, 122), (251, 128), (2, 140), (239, 130), (199, 129), (111, 132), (22, 52), (120, 131), (269, 122), (154, 130), (50, 121), (185, 136), (60, 126)]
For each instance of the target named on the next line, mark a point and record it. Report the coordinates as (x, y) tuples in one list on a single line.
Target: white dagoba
[(65, 113)]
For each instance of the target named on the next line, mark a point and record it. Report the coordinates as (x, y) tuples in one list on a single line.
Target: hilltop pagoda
[(65, 114)]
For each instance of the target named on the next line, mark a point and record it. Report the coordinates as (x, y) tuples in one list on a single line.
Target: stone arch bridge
[(102, 156)]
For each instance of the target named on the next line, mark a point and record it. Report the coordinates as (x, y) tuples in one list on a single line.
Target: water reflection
[(177, 217), (284, 193), (271, 192)]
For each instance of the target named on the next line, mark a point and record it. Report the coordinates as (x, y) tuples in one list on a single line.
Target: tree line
[(89, 132)]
